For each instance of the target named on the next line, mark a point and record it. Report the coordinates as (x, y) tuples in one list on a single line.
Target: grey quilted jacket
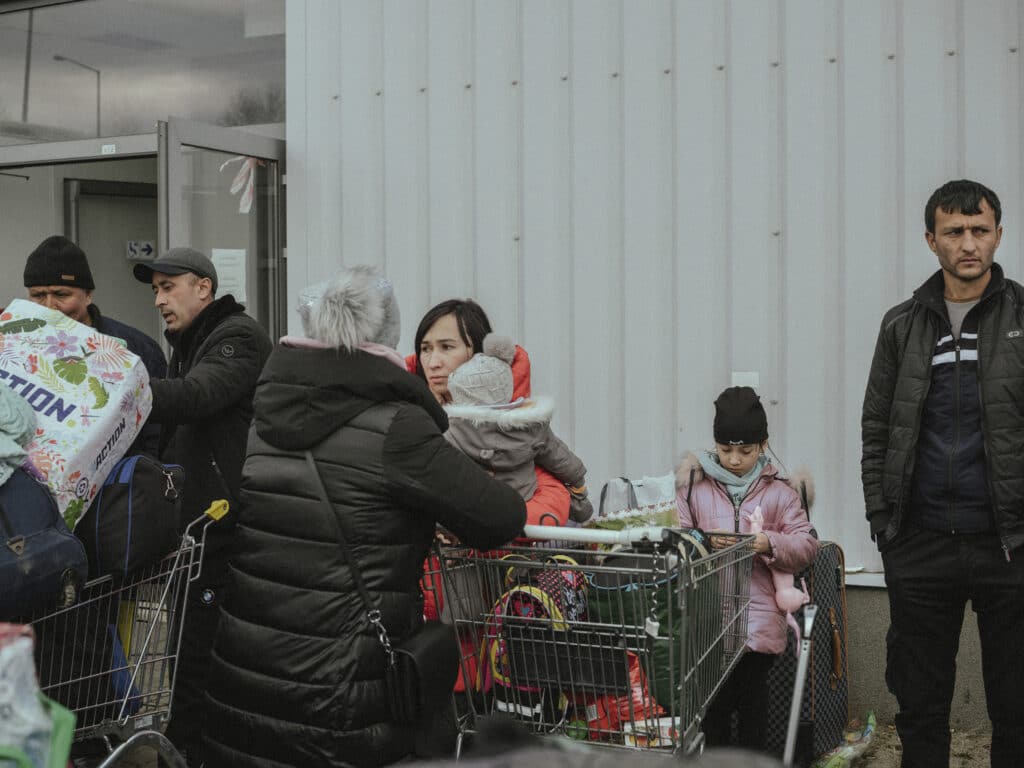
[(509, 442)]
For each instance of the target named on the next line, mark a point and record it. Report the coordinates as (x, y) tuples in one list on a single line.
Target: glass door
[(218, 190), (221, 194)]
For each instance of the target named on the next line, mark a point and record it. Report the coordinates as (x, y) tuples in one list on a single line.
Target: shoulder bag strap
[(372, 613), (357, 577)]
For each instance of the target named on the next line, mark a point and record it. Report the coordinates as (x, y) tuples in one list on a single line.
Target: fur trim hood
[(533, 412)]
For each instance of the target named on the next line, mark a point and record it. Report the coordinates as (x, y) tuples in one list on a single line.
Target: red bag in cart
[(608, 715)]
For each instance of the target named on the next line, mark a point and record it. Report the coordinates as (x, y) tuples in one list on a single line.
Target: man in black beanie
[(57, 276)]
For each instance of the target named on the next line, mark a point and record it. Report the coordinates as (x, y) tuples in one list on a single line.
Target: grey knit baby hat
[(486, 378)]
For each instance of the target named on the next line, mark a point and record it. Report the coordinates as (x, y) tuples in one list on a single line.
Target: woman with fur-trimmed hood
[(297, 677), (509, 439)]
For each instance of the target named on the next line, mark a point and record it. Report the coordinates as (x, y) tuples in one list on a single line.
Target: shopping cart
[(622, 648), (110, 657)]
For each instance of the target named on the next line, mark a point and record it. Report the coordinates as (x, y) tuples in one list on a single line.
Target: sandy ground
[(970, 749)]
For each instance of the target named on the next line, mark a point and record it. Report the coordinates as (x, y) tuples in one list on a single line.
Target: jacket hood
[(304, 394), (930, 292), (530, 414)]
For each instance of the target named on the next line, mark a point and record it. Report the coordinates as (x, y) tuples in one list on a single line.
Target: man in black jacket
[(943, 440), (57, 276), (205, 407)]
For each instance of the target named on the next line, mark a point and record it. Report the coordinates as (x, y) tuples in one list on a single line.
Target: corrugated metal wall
[(653, 195)]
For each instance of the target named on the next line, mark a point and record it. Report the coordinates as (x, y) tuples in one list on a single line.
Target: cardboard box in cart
[(90, 394)]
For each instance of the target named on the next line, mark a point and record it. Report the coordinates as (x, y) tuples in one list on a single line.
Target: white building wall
[(652, 195)]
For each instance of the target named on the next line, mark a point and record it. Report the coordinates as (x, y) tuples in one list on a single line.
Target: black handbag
[(133, 522), (42, 564), (420, 671)]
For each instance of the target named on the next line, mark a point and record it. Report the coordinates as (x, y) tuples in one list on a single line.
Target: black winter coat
[(297, 672), (205, 408), (898, 386)]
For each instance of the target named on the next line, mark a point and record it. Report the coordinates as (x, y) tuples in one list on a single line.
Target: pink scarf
[(301, 342)]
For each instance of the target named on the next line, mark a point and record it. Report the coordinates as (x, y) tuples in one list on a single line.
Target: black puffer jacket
[(898, 387), (297, 674)]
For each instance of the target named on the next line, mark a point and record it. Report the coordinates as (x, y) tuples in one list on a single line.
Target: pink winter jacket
[(787, 527)]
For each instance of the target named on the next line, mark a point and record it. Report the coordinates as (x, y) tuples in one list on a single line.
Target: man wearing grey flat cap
[(205, 406)]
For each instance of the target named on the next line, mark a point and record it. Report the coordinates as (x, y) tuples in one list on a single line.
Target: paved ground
[(970, 749)]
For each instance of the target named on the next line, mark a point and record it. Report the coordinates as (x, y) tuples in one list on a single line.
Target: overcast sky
[(156, 57)]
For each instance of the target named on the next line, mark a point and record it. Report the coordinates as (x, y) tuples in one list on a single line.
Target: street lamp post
[(58, 57)]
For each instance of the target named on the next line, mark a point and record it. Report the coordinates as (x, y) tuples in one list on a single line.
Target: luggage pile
[(76, 508)]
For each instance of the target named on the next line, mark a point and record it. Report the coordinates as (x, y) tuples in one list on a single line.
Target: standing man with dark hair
[(57, 276), (943, 476), (205, 407)]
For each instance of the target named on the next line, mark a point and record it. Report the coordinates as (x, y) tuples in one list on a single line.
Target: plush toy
[(788, 596)]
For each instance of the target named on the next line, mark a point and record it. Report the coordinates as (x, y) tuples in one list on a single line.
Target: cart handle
[(595, 536), (217, 509)]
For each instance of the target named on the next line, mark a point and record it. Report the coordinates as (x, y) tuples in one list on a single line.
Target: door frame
[(79, 150), (173, 135), (75, 189)]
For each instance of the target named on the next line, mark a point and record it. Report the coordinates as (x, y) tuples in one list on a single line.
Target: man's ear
[(205, 287), (929, 237)]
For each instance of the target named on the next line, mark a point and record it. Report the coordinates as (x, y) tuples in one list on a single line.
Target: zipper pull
[(1006, 551), (170, 492)]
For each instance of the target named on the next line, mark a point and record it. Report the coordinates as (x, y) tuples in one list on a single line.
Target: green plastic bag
[(60, 740)]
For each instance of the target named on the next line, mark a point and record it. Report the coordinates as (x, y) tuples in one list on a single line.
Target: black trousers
[(930, 577), (744, 696)]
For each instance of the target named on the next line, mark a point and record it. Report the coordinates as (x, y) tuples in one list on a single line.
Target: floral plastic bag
[(90, 394)]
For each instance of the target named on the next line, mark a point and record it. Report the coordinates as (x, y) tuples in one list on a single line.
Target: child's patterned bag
[(90, 394)]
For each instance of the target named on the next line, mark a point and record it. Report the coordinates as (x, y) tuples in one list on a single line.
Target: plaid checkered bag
[(824, 711)]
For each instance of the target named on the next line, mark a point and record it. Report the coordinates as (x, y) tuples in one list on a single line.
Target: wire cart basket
[(624, 648), (109, 658)]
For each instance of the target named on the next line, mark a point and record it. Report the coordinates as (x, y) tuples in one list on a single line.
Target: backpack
[(134, 520), (42, 565), (531, 643)]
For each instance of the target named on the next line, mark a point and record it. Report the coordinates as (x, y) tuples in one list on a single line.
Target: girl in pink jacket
[(737, 478)]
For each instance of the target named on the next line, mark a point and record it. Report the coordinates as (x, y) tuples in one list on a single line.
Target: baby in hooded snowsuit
[(509, 438)]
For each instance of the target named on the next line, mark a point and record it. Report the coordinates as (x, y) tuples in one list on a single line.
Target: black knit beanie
[(740, 418), (58, 261)]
